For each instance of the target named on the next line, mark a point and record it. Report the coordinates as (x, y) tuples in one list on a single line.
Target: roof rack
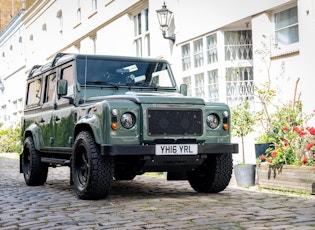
[(35, 67), (48, 65), (57, 57)]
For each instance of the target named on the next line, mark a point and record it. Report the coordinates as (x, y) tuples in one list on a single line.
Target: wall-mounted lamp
[(165, 17)]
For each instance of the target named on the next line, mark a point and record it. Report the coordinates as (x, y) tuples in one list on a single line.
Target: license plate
[(180, 149)]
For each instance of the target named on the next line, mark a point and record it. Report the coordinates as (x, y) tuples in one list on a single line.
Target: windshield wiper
[(103, 83), (142, 85)]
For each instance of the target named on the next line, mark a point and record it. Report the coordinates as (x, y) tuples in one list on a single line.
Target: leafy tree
[(242, 122)]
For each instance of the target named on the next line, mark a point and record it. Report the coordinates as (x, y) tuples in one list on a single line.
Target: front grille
[(175, 122)]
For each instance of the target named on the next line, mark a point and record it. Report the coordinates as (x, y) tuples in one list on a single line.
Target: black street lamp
[(165, 16)]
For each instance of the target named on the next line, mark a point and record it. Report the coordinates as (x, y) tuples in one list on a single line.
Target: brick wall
[(9, 9)]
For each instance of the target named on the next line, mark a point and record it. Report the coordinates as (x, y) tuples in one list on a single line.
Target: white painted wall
[(113, 27)]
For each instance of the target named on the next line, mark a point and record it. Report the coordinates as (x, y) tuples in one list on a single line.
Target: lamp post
[(165, 16)]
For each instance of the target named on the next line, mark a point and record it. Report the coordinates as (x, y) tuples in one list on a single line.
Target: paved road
[(144, 203)]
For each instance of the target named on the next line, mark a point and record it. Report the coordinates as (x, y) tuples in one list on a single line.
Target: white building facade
[(217, 51)]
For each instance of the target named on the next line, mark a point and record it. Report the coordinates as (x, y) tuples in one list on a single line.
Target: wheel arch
[(93, 124), (35, 132)]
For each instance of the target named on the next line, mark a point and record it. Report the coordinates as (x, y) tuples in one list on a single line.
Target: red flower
[(285, 128), (302, 133), (304, 160), (312, 131), (296, 129), (309, 146), (262, 157), (269, 159), (285, 142), (273, 154)]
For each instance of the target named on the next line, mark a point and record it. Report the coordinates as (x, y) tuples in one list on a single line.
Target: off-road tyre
[(35, 172), (213, 175), (92, 174)]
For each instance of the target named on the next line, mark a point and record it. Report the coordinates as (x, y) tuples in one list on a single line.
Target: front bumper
[(149, 150)]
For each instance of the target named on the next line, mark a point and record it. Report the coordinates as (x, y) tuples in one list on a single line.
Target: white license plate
[(180, 149)]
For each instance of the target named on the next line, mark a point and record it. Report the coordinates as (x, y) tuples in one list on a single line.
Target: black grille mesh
[(175, 122)]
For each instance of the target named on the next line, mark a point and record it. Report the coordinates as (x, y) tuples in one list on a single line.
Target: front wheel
[(34, 171), (92, 174), (213, 175)]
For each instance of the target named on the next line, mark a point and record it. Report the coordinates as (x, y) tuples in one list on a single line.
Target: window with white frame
[(238, 45), (213, 85), (94, 5), (198, 53), (212, 51), (227, 77), (141, 33), (93, 40), (79, 15), (286, 26), (199, 85), (3, 113), (239, 85), (186, 63), (187, 81), (60, 17)]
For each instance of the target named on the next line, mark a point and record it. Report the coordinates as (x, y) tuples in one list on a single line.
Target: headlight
[(128, 120), (212, 121)]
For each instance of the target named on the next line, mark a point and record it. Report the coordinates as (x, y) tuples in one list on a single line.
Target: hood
[(156, 98)]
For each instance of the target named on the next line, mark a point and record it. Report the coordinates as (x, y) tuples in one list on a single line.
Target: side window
[(67, 74), (287, 26), (33, 92), (50, 87)]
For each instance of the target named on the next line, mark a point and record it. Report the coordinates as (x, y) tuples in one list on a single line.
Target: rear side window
[(34, 92), (67, 74), (50, 87)]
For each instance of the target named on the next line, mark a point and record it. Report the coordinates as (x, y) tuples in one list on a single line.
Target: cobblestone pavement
[(145, 203)]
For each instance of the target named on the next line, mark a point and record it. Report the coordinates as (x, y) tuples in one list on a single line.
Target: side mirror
[(183, 89), (62, 87)]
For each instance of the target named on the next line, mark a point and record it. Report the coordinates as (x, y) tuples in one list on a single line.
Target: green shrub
[(10, 140)]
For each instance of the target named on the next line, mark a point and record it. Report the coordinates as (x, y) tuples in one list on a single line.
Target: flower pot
[(287, 177), (245, 175), (260, 149)]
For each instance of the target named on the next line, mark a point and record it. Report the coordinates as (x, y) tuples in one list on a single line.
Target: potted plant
[(242, 124), (266, 140)]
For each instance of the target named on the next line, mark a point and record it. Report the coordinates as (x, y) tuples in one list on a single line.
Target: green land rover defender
[(110, 117)]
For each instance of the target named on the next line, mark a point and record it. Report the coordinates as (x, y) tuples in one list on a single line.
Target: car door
[(64, 117), (45, 116)]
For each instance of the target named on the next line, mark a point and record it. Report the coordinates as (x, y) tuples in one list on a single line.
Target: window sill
[(91, 15), (77, 25), (283, 51), (109, 2)]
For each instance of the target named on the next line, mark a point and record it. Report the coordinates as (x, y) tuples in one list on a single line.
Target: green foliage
[(10, 140), (242, 122), (288, 116), (265, 95)]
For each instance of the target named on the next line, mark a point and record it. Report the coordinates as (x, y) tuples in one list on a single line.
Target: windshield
[(119, 73)]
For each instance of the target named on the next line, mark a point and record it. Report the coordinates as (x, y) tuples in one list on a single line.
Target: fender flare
[(92, 123), (36, 133)]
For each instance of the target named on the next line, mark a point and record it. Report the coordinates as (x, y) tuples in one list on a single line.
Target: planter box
[(287, 177)]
